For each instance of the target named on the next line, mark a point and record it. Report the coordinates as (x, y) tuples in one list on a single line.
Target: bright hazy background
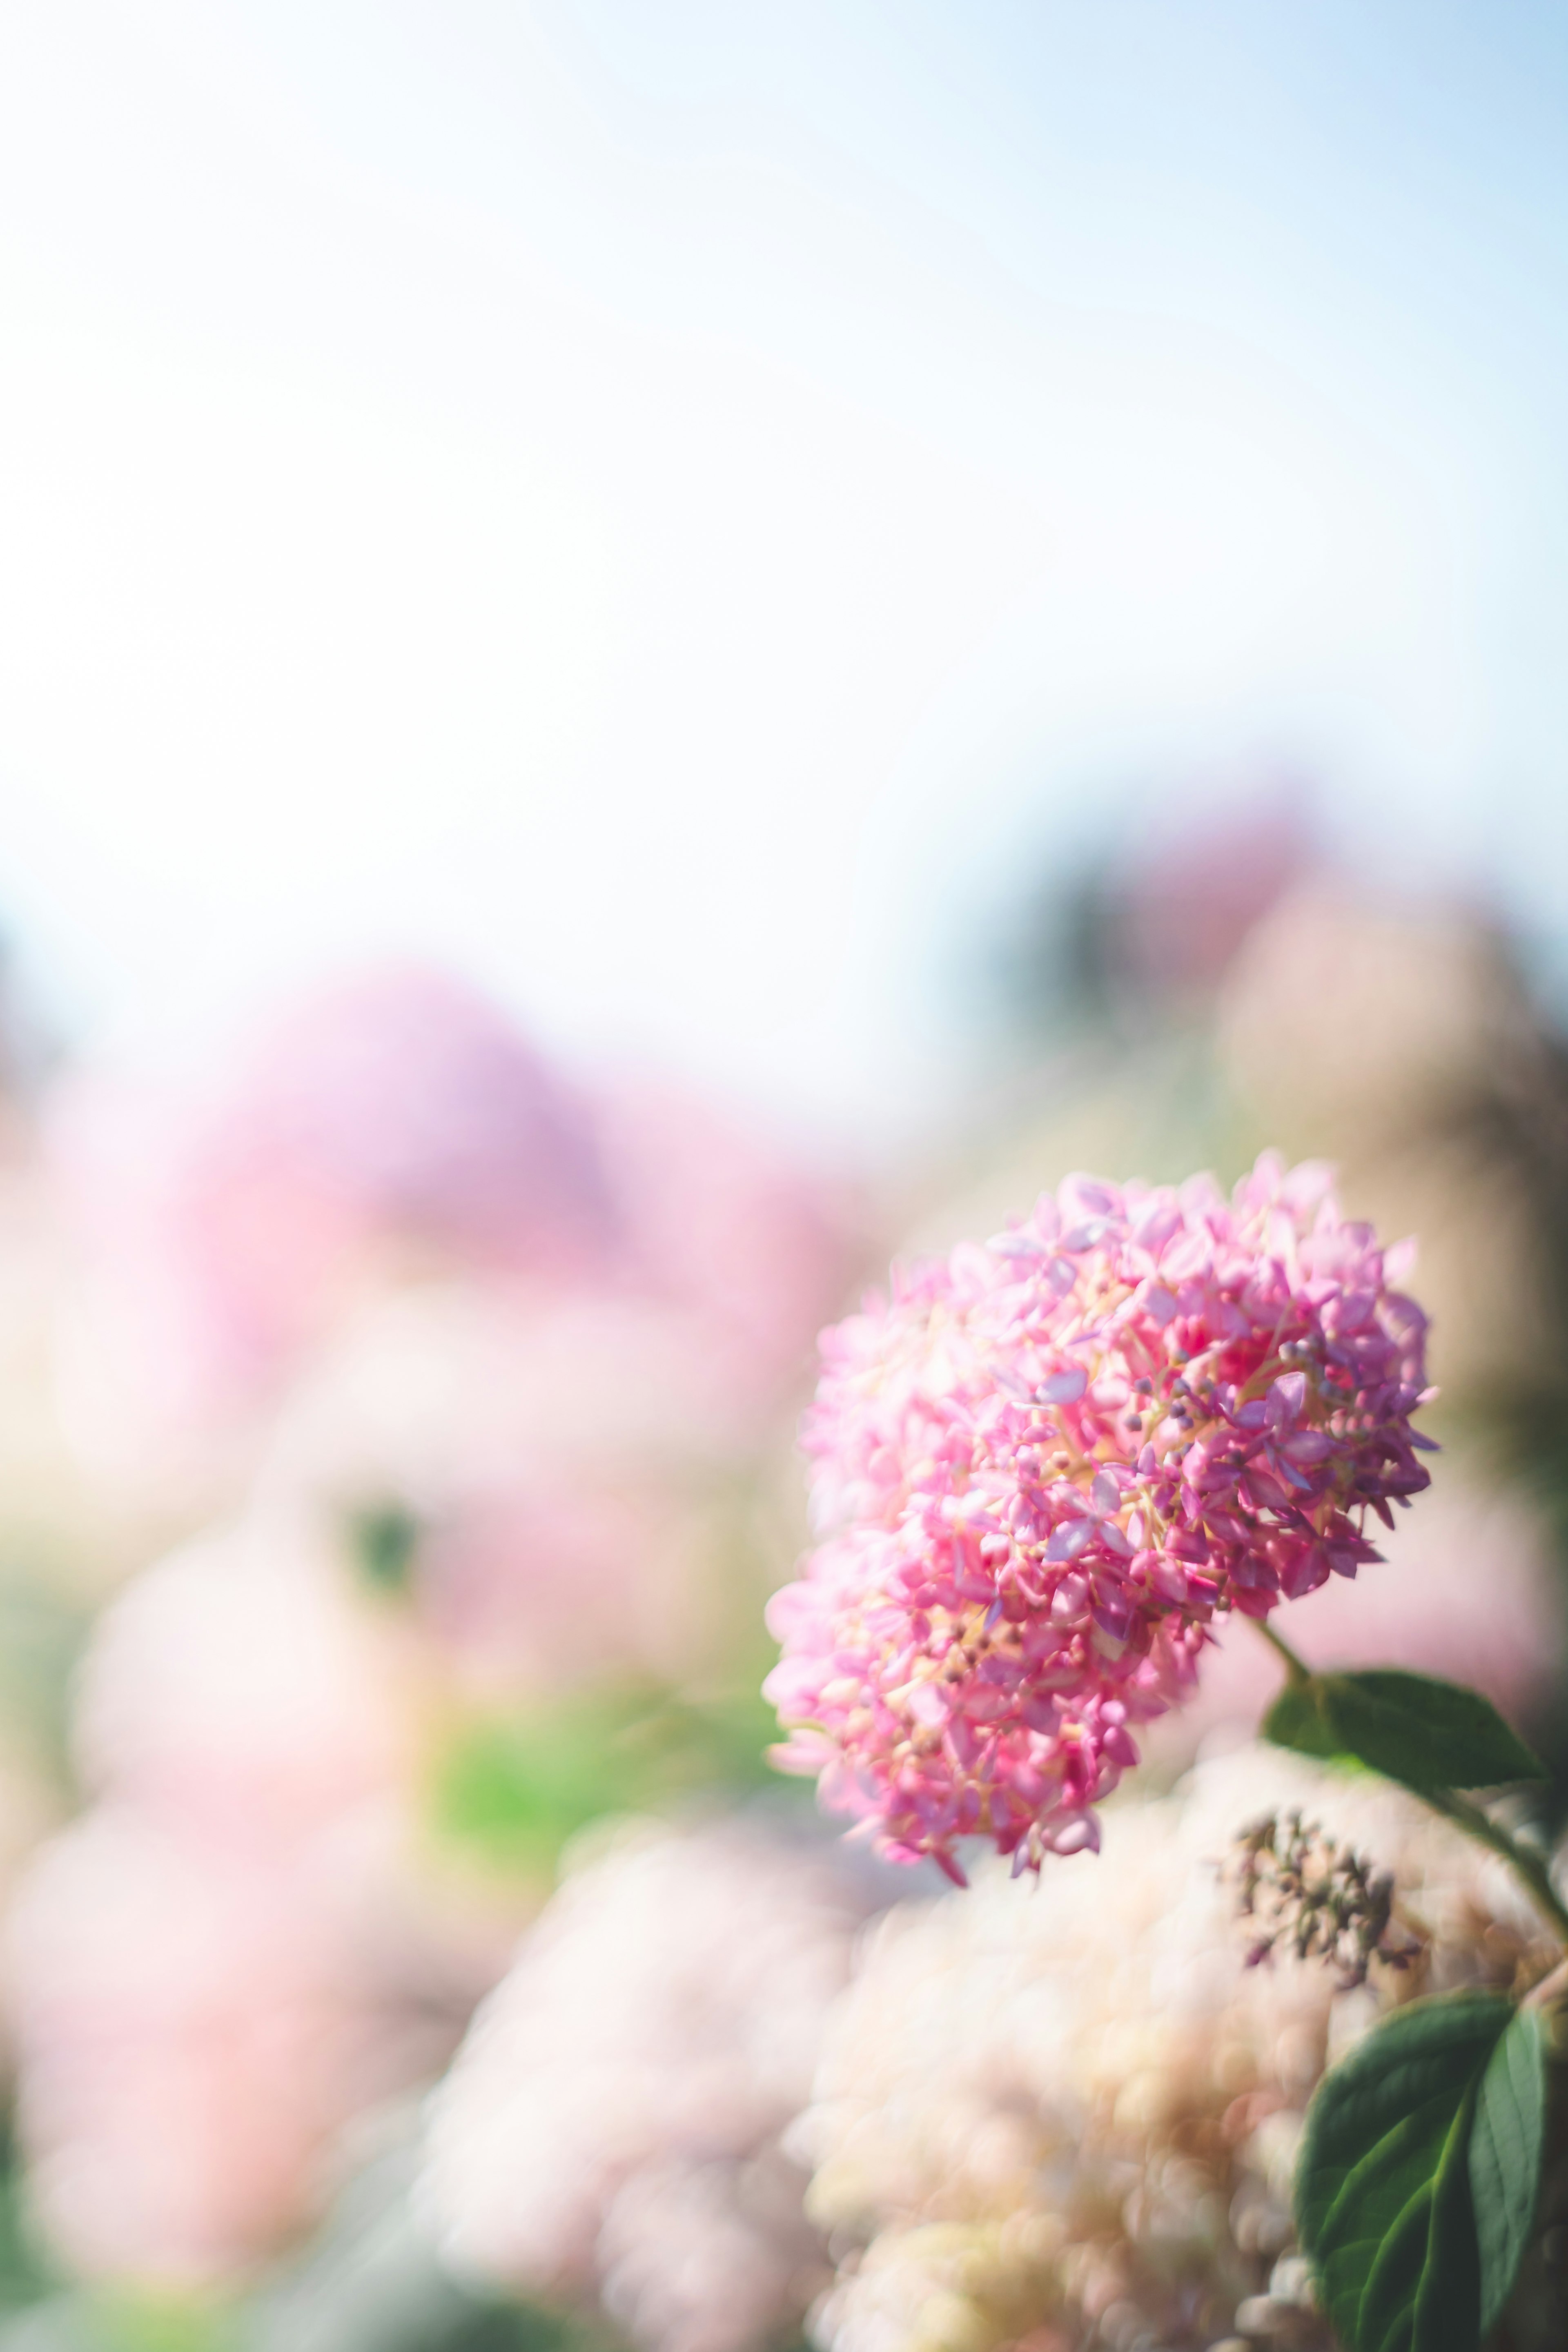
[(674, 506)]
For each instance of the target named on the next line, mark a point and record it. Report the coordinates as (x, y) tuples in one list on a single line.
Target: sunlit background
[(651, 649), (665, 506)]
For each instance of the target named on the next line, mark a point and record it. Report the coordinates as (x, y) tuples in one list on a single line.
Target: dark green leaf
[(1297, 1720), (1447, 2294), (1383, 2193), (1423, 1733), (1506, 2142)]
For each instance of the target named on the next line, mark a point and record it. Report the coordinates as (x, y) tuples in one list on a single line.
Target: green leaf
[(1506, 2144), (1384, 2200), (1423, 1733), (1297, 1720)]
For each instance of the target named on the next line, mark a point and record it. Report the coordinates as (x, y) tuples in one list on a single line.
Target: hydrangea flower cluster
[(1046, 1466), (1075, 2123), (612, 2131)]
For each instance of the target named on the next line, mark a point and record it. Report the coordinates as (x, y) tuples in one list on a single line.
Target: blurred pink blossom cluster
[(396, 1270), (1049, 1463), (612, 2128), (193, 2024), (460, 1360), (468, 1368), (548, 1465), (399, 1130)]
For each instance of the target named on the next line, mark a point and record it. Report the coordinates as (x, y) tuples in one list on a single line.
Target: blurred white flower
[(612, 2127), (1339, 1012), (1069, 2112), (1401, 1043)]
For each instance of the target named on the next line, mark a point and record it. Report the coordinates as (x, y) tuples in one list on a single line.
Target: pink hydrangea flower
[(1046, 1466)]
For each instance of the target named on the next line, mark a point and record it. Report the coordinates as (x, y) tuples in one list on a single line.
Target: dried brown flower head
[(1321, 1900)]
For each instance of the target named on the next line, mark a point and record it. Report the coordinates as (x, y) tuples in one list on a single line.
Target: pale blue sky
[(665, 503)]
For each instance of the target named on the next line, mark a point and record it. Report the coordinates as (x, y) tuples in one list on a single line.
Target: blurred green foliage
[(42, 1630), (125, 2321), (386, 1539), (25, 2276), (513, 1789)]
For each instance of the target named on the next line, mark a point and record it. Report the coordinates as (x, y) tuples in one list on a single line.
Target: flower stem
[(1527, 1864), (1297, 1668)]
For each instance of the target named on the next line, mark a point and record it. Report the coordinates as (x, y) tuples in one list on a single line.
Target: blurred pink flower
[(554, 1461), (182, 2031), (400, 1113), (242, 1947), (393, 1132), (234, 1690), (1175, 913), (612, 2125), (720, 1224), (1048, 1462)]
